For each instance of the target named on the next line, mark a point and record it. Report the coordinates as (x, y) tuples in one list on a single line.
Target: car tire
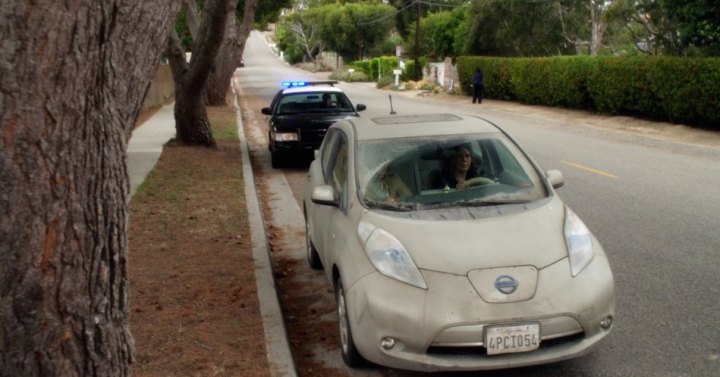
[(312, 255), (350, 354), (276, 160)]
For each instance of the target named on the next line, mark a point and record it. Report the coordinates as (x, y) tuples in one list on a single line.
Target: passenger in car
[(387, 186), (460, 169)]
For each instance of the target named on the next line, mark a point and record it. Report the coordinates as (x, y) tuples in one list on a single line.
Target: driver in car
[(460, 170)]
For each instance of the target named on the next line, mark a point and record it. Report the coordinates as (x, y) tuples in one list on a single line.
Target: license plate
[(511, 339)]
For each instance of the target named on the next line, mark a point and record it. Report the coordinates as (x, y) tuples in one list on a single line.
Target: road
[(649, 192)]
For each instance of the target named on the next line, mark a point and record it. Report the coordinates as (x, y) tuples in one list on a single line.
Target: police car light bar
[(297, 84)]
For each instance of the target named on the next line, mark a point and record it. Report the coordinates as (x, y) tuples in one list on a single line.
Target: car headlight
[(286, 136), (579, 243), (388, 255)]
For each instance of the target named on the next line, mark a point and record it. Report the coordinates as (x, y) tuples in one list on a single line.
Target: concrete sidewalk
[(144, 149), (146, 144)]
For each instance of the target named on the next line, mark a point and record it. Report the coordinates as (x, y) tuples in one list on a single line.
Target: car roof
[(312, 89), (401, 126)]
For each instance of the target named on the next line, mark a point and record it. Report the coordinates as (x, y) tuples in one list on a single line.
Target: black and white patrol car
[(300, 115)]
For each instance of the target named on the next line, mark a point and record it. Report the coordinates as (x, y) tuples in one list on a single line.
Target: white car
[(449, 250)]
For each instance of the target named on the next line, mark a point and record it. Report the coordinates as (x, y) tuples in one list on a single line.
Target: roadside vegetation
[(194, 306), (648, 58)]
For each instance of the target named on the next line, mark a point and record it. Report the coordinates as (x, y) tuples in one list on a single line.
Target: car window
[(295, 103), (339, 174), (423, 172), (275, 100), (326, 152)]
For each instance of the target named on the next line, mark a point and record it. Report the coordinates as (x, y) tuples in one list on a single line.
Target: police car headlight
[(286, 136)]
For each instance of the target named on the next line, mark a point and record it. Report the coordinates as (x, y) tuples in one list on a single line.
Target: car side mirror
[(324, 195), (266, 111), (555, 177), (360, 107)]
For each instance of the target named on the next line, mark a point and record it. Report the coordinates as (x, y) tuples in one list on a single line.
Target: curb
[(280, 360)]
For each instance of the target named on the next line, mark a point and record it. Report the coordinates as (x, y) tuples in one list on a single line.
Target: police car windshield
[(320, 102)]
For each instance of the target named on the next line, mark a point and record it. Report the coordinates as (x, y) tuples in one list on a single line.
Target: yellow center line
[(591, 170)]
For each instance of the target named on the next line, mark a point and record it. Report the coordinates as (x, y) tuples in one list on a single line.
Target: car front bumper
[(442, 328)]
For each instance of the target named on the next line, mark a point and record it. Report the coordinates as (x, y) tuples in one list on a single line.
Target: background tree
[(698, 24), (353, 29), (406, 14), (303, 28), (268, 11), (191, 122), (442, 34), (653, 30), (231, 51), (72, 82), (517, 28)]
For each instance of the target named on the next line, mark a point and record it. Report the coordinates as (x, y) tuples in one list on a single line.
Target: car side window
[(275, 100), (339, 175), (326, 153)]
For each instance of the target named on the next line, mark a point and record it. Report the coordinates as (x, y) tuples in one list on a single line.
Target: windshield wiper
[(475, 203), (490, 202), (393, 206)]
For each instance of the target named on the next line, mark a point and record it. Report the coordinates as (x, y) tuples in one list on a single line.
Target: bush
[(410, 85), (344, 75), (385, 82), (426, 85), (664, 88)]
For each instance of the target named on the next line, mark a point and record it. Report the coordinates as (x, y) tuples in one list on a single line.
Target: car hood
[(309, 120), (529, 238)]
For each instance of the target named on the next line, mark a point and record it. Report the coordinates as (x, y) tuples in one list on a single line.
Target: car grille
[(310, 137), (481, 351)]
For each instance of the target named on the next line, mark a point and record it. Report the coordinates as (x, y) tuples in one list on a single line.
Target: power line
[(443, 4), (409, 4)]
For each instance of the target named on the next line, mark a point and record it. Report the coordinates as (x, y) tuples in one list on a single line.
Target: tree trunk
[(230, 54), (597, 27), (225, 63), (71, 86), (191, 121)]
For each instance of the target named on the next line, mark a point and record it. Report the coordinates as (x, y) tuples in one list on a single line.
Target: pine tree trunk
[(72, 83), (191, 80), (230, 54), (191, 121), (228, 58)]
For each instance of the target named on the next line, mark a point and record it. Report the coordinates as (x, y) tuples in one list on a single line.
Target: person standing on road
[(477, 84)]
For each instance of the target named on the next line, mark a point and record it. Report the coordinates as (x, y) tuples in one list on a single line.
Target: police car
[(299, 116)]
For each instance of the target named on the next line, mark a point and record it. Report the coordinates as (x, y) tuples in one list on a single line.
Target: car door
[(336, 175), (320, 173)]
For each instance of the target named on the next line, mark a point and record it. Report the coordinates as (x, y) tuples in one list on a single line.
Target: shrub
[(344, 75), (385, 81), (664, 88)]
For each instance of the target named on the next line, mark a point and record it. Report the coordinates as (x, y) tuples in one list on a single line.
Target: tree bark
[(72, 80), (191, 80), (230, 54)]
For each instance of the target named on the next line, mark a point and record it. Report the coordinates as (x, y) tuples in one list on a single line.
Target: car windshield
[(319, 102), (435, 172)]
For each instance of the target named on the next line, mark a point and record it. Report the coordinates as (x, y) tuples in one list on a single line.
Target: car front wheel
[(350, 354)]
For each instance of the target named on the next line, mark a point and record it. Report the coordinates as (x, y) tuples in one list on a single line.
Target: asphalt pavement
[(143, 152)]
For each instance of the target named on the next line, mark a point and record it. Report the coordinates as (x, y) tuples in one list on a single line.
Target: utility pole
[(417, 41)]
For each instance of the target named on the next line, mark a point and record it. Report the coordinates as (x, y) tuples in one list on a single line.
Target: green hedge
[(685, 90)]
